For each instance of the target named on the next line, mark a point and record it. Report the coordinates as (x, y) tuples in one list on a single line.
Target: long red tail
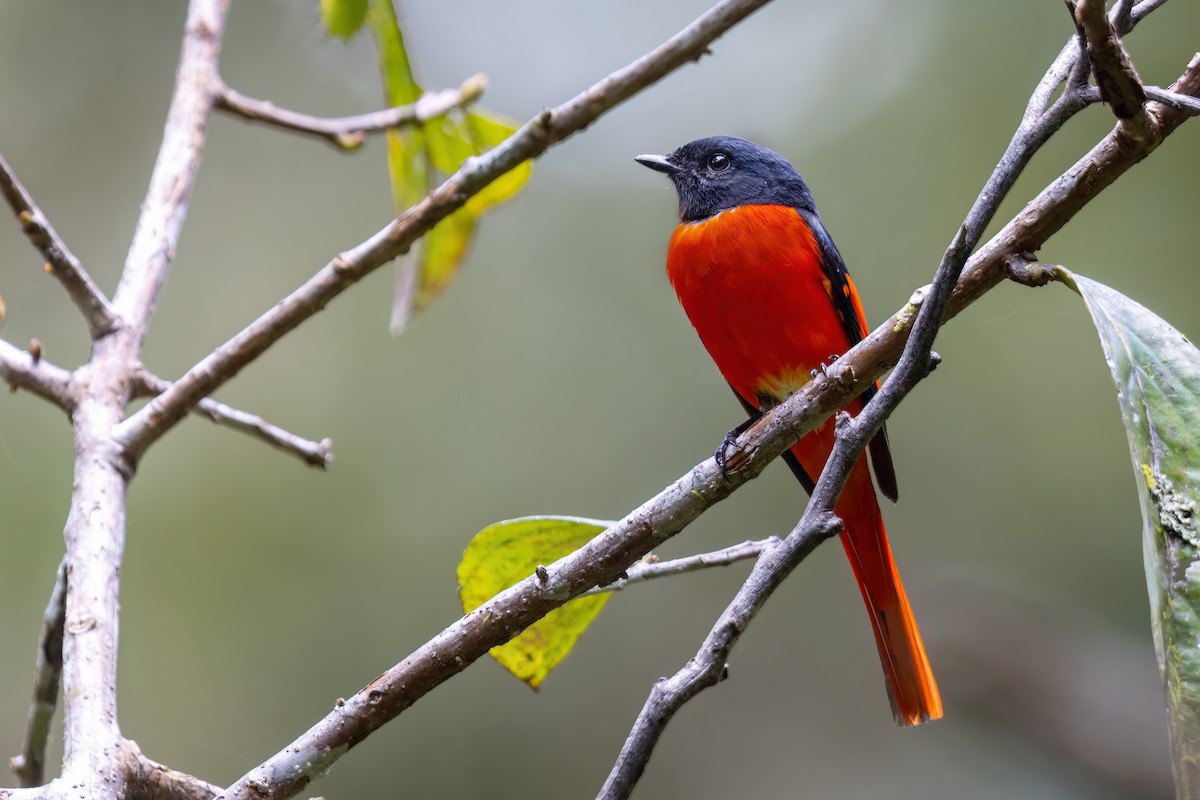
[(911, 687)]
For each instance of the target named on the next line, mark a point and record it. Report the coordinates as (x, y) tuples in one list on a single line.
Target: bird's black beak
[(657, 163)]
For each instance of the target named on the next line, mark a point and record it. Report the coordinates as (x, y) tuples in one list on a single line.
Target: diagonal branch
[(316, 454), (60, 261), (1044, 215), (30, 765), (349, 133), (548, 128), (25, 370), (174, 175)]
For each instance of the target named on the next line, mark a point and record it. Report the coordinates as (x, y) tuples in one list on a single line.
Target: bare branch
[(346, 269), (60, 261), (95, 528), (650, 567), (174, 175), (1120, 86), (707, 668), (22, 370), (1179, 102), (30, 765), (1139, 11), (349, 133), (316, 454), (149, 780)]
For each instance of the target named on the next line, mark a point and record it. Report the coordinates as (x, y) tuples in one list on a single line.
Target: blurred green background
[(557, 375)]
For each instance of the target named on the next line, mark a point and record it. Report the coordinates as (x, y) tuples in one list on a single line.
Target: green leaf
[(406, 146), (1157, 372), (441, 144), (488, 130), (501, 555), (445, 247), (450, 141), (398, 84), (343, 18)]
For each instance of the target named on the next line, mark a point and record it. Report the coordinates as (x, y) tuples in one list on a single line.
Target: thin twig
[(650, 568), (30, 765), (1179, 102), (706, 668), (316, 454), (21, 370), (349, 133), (60, 261), (1140, 11), (549, 127)]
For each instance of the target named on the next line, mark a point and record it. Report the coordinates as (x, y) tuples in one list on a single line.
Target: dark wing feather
[(842, 292)]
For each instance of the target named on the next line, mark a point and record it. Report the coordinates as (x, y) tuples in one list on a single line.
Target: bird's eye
[(718, 162)]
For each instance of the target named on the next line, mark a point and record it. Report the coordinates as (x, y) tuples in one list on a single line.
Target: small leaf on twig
[(1157, 372), (507, 552), (418, 153), (343, 18)]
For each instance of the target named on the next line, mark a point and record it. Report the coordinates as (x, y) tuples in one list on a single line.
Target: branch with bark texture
[(95, 528), (1118, 81), (534, 138), (349, 133), (22, 369), (602, 560), (30, 765), (60, 261)]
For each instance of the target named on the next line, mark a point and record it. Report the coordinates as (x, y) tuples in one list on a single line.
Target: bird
[(766, 289)]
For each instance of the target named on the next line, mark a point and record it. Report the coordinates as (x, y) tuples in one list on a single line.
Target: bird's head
[(717, 173)]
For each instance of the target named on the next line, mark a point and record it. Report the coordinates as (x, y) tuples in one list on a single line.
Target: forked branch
[(546, 129), (314, 453)]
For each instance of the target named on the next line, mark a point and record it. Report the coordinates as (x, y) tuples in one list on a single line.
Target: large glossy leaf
[(1157, 372), (501, 555)]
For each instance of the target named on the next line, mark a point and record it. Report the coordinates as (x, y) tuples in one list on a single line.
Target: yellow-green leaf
[(488, 130), (444, 248), (406, 156), (501, 555), (441, 144), (399, 86), (343, 17)]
